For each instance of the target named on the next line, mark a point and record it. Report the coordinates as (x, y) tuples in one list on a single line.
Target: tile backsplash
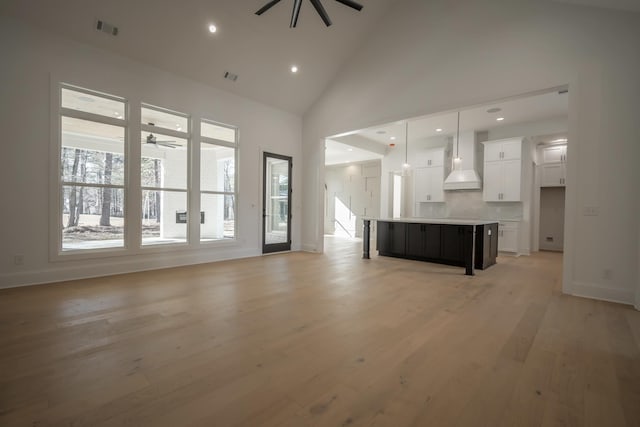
[(469, 205)]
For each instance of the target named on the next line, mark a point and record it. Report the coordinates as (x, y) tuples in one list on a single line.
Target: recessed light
[(393, 138), (212, 28), (439, 130), (349, 149), (499, 119), (115, 113), (294, 69)]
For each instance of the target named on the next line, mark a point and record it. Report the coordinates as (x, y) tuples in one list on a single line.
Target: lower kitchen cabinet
[(508, 233), (442, 243), (423, 241), (392, 238), (452, 243)]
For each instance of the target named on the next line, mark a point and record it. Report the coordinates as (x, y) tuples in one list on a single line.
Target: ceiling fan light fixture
[(212, 28), (294, 69), (317, 5)]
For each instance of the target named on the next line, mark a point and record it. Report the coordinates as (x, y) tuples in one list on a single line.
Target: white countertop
[(451, 221)]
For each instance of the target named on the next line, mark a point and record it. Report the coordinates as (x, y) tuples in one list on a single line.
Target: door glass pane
[(277, 201)]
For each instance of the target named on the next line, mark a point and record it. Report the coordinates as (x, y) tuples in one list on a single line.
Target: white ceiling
[(537, 108), (629, 5), (172, 35), (337, 153)]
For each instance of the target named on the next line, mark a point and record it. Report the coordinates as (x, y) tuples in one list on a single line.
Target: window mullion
[(194, 182), (133, 231)]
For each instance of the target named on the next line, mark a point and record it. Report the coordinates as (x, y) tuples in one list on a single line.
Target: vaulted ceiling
[(173, 35)]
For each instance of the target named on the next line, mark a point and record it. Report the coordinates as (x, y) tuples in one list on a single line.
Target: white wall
[(443, 55), (30, 60), (356, 186)]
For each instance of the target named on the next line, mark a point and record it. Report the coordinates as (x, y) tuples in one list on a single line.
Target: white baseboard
[(594, 291), (61, 273), (309, 247)]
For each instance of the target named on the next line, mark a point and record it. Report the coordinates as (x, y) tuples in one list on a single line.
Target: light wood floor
[(319, 340)]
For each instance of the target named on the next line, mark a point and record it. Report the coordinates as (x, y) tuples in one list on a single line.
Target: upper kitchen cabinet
[(504, 149), (503, 170), (427, 158), (553, 169), (554, 154), (428, 180)]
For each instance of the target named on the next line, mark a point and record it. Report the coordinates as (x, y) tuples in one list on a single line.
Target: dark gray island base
[(464, 243)]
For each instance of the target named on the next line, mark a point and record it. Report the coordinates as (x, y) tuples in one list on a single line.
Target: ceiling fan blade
[(321, 12), (267, 6), (164, 144), (296, 12), (352, 4)]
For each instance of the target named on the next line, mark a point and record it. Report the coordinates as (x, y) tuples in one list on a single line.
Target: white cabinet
[(428, 180), (553, 170), (429, 158), (508, 232), (553, 175), (502, 170), (434, 157), (505, 149), (428, 184), (554, 154)]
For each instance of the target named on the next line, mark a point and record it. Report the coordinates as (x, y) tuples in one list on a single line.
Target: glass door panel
[(276, 209)]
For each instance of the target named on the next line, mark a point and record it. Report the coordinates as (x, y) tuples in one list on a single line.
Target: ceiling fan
[(152, 139), (316, 4)]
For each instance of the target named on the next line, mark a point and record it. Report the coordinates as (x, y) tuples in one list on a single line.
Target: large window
[(101, 203), (218, 154), (164, 171), (92, 170)]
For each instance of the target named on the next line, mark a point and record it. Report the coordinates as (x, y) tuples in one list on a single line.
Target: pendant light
[(406, 164), (457, 159)]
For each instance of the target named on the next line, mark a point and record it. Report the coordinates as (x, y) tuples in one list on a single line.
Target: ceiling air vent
[(230, 76), (105, 27)]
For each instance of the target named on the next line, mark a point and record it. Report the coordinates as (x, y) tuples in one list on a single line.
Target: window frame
[(57, 184), (186, 135), (131, 121), (236, 149)]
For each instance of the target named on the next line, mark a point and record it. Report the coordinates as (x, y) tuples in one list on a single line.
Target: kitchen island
[(461, 242)]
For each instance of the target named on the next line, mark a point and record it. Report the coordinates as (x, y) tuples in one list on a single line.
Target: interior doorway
[(552, 201), (276, 203)]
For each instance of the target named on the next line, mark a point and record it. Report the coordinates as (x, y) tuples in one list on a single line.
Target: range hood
[(464, 175)]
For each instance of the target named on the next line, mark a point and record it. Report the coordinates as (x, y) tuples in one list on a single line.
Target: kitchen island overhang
[(466, 243)]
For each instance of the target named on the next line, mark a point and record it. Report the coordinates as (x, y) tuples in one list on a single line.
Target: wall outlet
[(18, 259), (590, 211)]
